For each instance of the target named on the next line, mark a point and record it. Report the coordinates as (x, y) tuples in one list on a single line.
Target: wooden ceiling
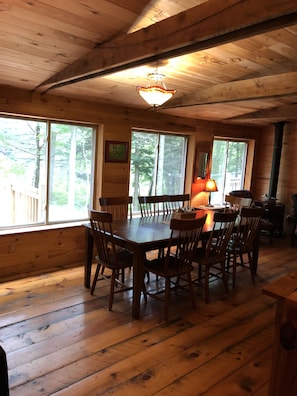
[(231, 61)]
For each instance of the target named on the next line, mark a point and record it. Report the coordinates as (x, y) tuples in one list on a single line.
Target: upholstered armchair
[(292, 220)]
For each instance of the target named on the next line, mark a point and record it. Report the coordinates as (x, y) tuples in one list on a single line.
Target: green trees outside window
[(228, 167), (157, 164), (45, 171)]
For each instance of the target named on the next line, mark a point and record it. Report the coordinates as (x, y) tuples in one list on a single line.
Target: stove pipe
[(277, 152)]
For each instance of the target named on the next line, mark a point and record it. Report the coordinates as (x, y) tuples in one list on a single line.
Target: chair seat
[(174, 268), (124, 258)]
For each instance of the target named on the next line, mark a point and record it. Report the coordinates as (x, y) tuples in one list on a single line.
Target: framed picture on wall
[(116, 151)]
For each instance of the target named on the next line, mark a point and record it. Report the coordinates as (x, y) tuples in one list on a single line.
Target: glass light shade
[(155, 95), (211, 186), (155, 92)]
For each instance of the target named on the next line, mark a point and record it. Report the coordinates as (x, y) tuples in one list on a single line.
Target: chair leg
[(191, 290), (95, 278), (166, 298), (144, 291), (234, 271), (111, 292), (123, 276), (252, 269), (199, 272), (224, 276), (206, 284)]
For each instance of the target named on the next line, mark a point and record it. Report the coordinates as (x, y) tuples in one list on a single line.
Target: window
[(228, 167), (46, 171), (158, 163)]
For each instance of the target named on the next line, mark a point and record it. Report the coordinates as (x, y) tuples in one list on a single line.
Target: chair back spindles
[(162, 204), (220, 236), (152, 205), (235, 203), (175, 202), (120, 207), (211, 260)]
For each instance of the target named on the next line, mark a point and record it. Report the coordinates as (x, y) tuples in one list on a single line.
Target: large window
[(228, 167), (46, 171), (157, 164)]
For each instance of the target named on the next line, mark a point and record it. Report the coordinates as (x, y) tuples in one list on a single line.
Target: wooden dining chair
[(175, 202), (235, 203), (211, 258), (120, 207), (177, 261), (240, 247), (152, 205), (108, 255)]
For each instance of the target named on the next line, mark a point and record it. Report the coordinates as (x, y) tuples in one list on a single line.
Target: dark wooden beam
[(204, 26)]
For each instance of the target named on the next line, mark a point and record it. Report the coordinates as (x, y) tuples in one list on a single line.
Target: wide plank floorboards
[(62, 341)]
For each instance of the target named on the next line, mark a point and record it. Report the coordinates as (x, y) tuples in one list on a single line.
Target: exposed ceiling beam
[(204, 26), (254, 88), (287, 112)]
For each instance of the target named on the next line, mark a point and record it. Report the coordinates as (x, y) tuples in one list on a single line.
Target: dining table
[(140, 235)]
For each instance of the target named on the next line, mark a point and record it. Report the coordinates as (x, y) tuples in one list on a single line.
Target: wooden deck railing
[(22, 205)]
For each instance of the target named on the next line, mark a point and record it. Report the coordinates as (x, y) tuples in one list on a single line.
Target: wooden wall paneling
[(27, 252), (262, 163), (288, 167), (115, 176), (98, 166)]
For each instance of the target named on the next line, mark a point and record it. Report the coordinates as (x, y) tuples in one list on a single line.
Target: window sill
[(20, 230)]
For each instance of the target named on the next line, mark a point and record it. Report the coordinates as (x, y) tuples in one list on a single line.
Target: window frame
[(45, 222), (246, 173), (160, 133)]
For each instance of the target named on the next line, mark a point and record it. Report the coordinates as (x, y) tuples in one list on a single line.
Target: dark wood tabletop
[(150, 231)]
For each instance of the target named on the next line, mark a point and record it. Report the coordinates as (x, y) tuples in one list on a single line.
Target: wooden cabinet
[(284, 360)]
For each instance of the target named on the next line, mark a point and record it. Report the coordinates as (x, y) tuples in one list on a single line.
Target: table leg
[(88, 256), (256, 251), (138, 273)]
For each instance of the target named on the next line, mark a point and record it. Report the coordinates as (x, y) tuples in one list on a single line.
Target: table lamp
[(210, 186)]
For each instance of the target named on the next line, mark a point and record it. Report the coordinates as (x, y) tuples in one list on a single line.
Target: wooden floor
[(62, 341)]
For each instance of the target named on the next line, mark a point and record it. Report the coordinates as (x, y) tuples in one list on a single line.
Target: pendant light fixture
[(155, 92)]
